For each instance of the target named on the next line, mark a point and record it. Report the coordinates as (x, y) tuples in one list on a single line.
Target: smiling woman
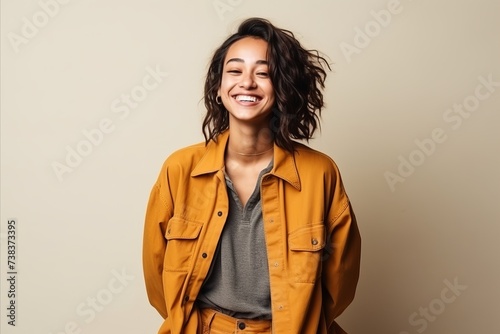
[(296, 74), (273, 246), (246, 89)]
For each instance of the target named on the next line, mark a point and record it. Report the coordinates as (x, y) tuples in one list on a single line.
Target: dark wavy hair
[(297, 75)]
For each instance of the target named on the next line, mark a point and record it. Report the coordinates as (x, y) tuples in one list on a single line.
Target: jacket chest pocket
[(182, 237), (306, 247)]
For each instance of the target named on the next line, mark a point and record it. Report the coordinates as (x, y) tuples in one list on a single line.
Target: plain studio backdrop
[(96, 94)]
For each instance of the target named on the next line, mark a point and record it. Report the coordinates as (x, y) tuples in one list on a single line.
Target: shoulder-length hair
[(297, 75)]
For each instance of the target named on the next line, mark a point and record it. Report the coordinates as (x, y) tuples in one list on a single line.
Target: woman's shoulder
[(187, 152), (318, 168), (308, 156), (185, 157)]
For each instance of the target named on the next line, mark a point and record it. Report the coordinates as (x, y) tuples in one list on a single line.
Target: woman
[(252, 231)]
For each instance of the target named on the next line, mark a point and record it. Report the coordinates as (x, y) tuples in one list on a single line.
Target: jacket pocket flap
[(182, 229), (309, 238)]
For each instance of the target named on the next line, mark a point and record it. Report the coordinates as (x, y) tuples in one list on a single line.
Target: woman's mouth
[(247, 98)]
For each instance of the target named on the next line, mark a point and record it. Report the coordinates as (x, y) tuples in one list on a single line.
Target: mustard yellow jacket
[(312, 238)]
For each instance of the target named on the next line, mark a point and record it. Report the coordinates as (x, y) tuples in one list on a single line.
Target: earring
[(218, 100)]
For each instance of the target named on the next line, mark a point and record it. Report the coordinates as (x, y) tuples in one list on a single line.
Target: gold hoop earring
[(218, 100)]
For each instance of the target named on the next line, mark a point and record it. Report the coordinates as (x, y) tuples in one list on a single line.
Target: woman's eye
[(234, 71), (263, 74)]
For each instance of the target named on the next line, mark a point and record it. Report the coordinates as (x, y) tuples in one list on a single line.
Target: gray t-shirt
[(238, 282)]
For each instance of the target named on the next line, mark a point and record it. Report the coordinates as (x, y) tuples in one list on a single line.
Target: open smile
[(247, 98)]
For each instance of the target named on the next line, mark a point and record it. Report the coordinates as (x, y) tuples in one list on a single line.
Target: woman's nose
[(247, 81)]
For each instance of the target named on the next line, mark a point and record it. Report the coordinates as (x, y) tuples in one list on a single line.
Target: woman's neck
[(250, 145)]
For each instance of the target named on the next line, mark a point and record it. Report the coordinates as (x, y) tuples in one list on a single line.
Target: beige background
[(78, 229)]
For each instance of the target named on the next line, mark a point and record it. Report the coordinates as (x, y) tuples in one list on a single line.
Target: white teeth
[(246, 98)]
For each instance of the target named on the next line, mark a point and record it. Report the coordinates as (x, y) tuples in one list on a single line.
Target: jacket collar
[(213, 160)]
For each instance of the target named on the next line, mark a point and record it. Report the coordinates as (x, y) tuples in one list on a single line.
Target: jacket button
[(219, 213), (186, 298), (314, 241), (241, 325), (204, 255)]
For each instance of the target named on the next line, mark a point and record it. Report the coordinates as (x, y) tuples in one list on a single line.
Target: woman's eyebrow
[(240, 60)]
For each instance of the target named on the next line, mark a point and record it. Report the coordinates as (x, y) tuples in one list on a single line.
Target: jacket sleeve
[(158, 213), (342, 257)]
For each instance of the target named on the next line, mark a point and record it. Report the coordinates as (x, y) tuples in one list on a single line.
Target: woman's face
[(246, 89)]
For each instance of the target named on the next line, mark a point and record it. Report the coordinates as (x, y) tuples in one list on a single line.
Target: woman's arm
[(342, 256), (158, 213)]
